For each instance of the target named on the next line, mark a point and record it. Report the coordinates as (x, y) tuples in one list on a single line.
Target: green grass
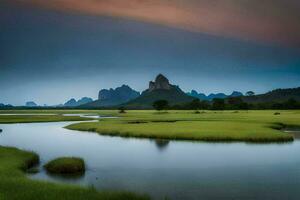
[(14, 185), (8, 119), (55, 111), (250, 126), (66, 165)]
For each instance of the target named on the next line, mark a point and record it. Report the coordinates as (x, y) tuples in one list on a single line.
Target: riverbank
[(15, 185)]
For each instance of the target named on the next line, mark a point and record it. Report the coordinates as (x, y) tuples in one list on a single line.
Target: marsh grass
[(14, 185), (33, 170)]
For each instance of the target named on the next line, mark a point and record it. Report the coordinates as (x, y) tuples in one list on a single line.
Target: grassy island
[(14, 184), (249, 126), (66, 165)]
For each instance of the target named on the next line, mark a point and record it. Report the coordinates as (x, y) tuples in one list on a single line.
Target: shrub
[(122, 110)]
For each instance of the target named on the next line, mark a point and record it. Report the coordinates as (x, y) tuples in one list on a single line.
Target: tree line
[(232, 103)]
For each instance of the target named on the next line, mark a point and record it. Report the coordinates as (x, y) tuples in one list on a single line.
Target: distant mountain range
[(73, 103), (161, 89), (158, 90), (212, 96), (113, 97)]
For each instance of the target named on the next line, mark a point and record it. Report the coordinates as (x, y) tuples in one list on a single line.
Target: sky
[(51, 51)]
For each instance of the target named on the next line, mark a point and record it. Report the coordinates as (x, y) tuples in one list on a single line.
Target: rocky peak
[(73, 103), (161, 82), (123, 93)]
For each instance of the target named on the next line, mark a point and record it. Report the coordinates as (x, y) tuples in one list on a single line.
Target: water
[(178, 170)]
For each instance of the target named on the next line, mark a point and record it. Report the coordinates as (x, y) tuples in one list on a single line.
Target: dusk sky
[(51, 51)]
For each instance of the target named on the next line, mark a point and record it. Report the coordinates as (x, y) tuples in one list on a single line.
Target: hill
[(278, 95), (160, 89)]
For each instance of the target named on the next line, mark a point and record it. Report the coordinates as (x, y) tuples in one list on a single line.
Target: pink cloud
[(274, 21)]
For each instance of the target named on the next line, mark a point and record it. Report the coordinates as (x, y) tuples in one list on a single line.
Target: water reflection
[(161, 144)]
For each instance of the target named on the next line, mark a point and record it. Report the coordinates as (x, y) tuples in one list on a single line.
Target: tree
[(160, 104), (205, 104), (218, 104), (122, 110), (237, 103), (250, 93), (291, 104), (195, 104)]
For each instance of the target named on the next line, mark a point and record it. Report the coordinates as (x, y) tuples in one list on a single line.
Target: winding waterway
[(175, 169)]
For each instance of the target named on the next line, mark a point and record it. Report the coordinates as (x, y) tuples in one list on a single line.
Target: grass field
[(8, 119), (250, 126), (14, 185)]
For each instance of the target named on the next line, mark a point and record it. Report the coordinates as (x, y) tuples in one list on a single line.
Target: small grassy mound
[(66, 165)]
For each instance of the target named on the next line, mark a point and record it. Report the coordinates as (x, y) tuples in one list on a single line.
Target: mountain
[(31, 104), (123, 93), (3, 106), (212, 96), (278, 95), (160, 89), (236, 94), (113, 97), (217, 96), (73, 103), (195, 94), (84, 100)]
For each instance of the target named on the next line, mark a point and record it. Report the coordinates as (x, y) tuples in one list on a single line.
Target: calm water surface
[(178, 170)]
